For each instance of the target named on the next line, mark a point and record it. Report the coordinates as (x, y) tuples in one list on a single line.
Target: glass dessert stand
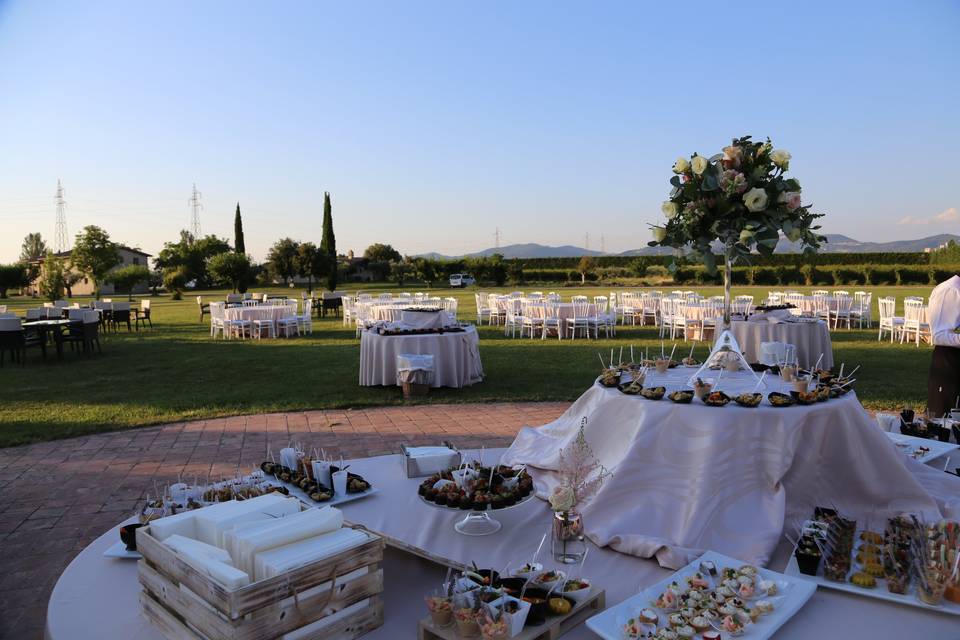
[(478, 523)]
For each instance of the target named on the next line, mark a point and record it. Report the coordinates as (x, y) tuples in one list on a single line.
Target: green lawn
[(177, 372)]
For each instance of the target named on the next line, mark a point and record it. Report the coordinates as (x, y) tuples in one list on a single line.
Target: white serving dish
[(795, 594), (879, 592), (119, 550), (580, 594), (937, 448), (334, 501)]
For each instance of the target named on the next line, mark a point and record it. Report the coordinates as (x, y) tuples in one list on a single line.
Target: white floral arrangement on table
[(581, 474), (740, 197)]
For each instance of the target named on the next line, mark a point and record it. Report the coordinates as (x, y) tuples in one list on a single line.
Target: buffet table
[(96, 597), (810, 338), (456, 356), (691, 477)]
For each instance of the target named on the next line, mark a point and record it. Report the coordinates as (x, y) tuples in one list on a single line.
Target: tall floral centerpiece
[(740, 199), (581, 476)]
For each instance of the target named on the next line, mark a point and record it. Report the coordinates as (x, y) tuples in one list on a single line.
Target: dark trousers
[(943, 387)]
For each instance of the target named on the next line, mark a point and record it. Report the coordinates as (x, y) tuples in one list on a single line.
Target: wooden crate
[(553, 628), (186, 604)]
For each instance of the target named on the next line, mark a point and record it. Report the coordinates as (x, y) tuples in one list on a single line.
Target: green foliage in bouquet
[(739, 197)]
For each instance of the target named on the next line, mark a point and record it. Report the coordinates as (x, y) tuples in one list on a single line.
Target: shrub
[(944, 273), (882, 275), (657, 271), (848, 275), (912, 275), (766, 275)]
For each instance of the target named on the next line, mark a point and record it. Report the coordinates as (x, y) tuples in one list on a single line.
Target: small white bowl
[(580, 594), (536, 582), (526, 575)]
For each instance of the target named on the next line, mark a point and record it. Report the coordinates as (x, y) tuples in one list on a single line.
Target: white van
[(461, 280)]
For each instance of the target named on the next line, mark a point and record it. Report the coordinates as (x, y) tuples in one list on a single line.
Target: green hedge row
[(813, 275), (807, 275), (777, 259)]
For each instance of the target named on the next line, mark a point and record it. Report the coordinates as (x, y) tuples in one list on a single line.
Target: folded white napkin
[(281, 559), (182, 523), (287, 530), (208, 560), (214, 520)]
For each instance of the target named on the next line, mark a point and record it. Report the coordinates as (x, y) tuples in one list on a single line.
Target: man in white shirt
[(943, 314)]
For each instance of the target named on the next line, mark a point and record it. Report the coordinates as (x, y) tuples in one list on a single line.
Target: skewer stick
[(539, 547), (661, 349), (620, 360), (840, 375), (631, 354), (670, 359), (690, 357), (817, 366), (849, 375), (602, 366), (760, 381), (611, 357)]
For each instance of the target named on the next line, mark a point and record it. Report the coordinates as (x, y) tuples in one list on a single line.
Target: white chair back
[(775, 353), (887, 307), (76, 315), (36, 314), (912, 311)]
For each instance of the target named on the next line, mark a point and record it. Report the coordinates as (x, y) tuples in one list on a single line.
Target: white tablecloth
[(687, 478), (426, 319), (810, 338), (264, 313), (96, 597), (564, 312), (456, 357)]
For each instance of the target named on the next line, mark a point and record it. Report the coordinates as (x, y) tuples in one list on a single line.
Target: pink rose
[(793, 200)]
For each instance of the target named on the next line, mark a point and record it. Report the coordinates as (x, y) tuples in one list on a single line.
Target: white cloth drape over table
[(810, 338), (456, 357), (687, 478), (264, 313)]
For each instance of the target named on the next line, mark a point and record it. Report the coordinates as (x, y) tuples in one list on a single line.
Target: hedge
[(795, 260), (772, 276)]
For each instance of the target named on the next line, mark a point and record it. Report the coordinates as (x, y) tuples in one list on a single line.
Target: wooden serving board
[(552, 629)]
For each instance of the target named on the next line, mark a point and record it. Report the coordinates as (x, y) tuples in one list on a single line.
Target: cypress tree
[(328, 243), (238, 244)]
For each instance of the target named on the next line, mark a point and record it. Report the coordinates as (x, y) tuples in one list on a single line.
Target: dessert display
[(316, 490), (384, 331), (477, 488), (908, 561)]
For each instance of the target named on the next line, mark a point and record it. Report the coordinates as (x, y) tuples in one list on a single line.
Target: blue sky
[(434, 123)]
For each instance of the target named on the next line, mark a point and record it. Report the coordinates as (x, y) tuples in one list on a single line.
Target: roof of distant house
[(66, 254)]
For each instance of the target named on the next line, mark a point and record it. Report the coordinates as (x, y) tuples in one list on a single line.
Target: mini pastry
[(676, 620), (768, 587), (685, 633), (871, 537), (862, 579), (700, 623), (711, 635), (732, 626), (763, 606), (748, 570), (649, 616)]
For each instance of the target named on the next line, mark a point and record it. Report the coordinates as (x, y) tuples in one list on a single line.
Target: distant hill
[(836, 243), (529, 250)]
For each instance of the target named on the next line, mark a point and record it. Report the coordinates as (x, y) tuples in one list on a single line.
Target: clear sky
[(434, 123)]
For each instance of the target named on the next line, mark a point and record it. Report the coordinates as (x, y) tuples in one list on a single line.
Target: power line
[(60, 241), (195, 207)]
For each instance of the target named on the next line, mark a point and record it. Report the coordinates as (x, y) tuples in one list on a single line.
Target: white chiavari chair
[(579, 321), (513, 316), (483, 308), (888, 320), (840, 312), (552, 320), (630, 307), (531, 318), (603, 319), (497, 307), (862, 311), (914, 321)]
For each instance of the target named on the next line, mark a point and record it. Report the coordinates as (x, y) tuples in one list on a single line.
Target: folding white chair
[(532, 318), (841, 311), (552, 320), (914, 321), (861, 310), (580, 321)]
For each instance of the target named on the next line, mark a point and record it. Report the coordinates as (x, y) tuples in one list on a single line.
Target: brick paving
[(56, 497)]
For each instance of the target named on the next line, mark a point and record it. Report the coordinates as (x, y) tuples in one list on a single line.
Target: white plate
[(607, 623), (937, 448), (119, 550), (879, 592)]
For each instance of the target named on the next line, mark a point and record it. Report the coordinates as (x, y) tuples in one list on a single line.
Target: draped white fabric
[(810, 338), (687, 478), (456, 357), (944, 313)]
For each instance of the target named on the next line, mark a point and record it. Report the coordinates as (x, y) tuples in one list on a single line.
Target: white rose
[(562, 498), (794, 234), (699, 164), (659, 233), (781, 158), (681, 165), (669, 209), (755, 199), (745, 236)]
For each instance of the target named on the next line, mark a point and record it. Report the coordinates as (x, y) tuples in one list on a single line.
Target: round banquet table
[(456, 357), (96, 597), (810, 338), (264, 313)]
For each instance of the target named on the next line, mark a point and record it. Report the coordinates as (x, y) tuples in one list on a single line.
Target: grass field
[(177, 372)]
